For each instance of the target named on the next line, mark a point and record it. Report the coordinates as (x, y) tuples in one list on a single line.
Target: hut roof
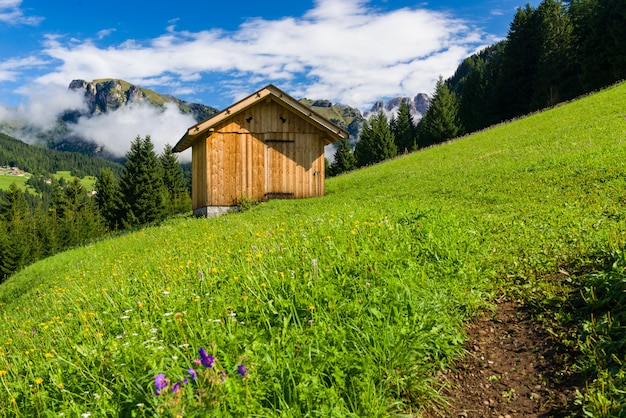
[(335, 133)]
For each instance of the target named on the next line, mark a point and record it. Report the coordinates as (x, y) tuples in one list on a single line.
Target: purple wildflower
[(207, 360), (160, 381), (176, 387), (192, 373), (241, 369)]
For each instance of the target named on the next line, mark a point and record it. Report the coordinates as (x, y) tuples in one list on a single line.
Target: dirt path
[(513, 368)]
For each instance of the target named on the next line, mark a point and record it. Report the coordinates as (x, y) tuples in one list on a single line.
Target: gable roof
[(334, 132)]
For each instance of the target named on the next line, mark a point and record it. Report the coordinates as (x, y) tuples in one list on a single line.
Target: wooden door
[(280, 176)]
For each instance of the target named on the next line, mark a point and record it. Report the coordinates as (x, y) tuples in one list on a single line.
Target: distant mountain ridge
[(107, 96)]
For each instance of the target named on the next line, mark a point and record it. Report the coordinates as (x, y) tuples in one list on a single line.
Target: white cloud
[(11, 68), (115, 130), (342, 50), (10, 13), (44, 106)]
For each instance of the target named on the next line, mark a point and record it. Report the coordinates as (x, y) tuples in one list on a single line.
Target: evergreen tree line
[(151, 188), (553, 53), (32, 227)]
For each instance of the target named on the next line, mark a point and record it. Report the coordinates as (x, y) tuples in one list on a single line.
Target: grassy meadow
[(342, 306), (89, 182)]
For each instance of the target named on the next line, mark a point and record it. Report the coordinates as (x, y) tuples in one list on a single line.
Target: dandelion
[(241, 369), (38, 381), (311, 308), (48, 355), (3, 373)]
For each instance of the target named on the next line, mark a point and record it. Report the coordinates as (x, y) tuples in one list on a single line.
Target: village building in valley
[(266, 146)]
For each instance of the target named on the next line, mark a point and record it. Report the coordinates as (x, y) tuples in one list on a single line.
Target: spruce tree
[(344, 159), (177, 194), (441, 121), (403, 128), (17, 218), (141, 186), (108, 199), (520, 62), (376, 142)]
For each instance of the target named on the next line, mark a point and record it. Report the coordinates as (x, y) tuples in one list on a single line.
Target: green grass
[(346, 305), (6, 181), (88, 182)]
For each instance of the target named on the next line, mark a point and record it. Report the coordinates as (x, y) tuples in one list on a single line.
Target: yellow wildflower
[(38, 381)]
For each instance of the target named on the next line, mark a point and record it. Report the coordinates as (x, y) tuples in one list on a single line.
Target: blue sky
[(215, 52)]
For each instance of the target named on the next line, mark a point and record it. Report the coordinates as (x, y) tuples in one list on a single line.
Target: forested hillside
[(553, 53), (62, 214), (43, 161)]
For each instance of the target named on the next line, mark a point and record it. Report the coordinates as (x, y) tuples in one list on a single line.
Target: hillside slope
[(345, 305), (31, 158)]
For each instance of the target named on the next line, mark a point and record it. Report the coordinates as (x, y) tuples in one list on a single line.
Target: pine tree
[(555, 79), (141, 186), (403, 128), (17, 218), (108, 199), (177, 194), (376, 142), (441, 121), (520, 62), (344, 159), (599, 33), (4, 243)]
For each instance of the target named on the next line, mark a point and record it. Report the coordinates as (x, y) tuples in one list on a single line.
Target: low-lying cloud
[(113, 130)]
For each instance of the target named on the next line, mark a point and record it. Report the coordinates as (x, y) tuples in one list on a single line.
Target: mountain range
[(104, 101)]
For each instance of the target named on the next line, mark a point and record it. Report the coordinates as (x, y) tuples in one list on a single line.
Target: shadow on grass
[(585, 313)]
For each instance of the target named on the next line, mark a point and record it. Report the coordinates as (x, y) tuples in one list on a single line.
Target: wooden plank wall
[(264, 151), (199, 174)]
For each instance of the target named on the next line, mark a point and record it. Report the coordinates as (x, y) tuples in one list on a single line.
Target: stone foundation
[(213, 211)]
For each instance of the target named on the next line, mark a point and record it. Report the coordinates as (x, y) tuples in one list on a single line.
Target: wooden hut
[(266, 146)]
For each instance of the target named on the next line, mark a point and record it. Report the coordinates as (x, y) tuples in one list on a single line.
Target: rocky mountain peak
[(105, 95), (418, 106), (109, 95)]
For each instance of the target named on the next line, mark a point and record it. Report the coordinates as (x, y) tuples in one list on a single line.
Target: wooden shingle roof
[(334, 132)]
